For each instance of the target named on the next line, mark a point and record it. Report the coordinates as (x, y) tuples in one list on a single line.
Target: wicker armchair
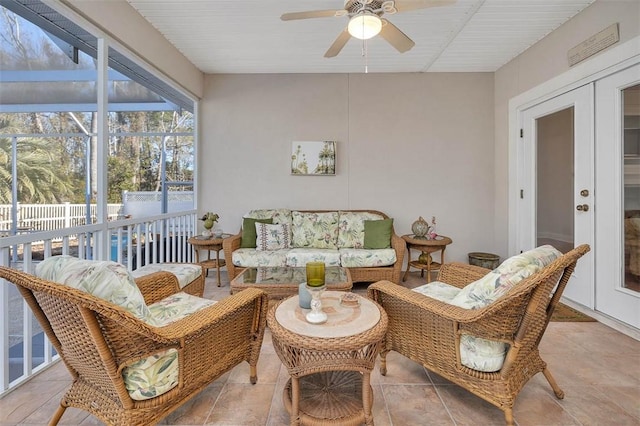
[(97, 339), (428, 331)]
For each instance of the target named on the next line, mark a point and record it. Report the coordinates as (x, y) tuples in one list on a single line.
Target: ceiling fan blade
[(312, 14), (337, 45), (407, 5), (395, 37)]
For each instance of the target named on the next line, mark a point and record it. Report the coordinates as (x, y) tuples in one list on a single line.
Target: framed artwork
[(313, 158)]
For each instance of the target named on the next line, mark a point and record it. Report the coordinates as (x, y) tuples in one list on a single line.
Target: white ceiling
[(247, 36)]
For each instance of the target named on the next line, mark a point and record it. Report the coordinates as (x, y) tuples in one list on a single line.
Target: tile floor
[(597, 367)]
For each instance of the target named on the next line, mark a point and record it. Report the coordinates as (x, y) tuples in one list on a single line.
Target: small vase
[(206, 233), (420, 227)]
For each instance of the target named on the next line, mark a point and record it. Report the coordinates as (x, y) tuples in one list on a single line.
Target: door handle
[(582, 207)]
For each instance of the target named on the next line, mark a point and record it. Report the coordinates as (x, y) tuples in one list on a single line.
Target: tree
[(39, 179)]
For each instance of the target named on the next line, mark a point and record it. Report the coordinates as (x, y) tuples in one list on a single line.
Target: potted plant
[(209, 220)]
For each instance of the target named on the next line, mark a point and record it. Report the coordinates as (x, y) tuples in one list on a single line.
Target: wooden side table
[(330, 364), (426, 246), (210, 244)]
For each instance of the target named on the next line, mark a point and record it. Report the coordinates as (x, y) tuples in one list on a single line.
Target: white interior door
[(555, 175), (618, 192)]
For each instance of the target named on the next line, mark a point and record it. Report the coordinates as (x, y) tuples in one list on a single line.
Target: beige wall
[(408, 144), (122, 22), (543, 61)]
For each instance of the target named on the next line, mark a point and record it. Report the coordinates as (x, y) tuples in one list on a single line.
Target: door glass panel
[(555, 180), (631, 182)]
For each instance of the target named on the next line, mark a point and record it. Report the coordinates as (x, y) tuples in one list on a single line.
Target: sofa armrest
[(400, 246), (229, 245)]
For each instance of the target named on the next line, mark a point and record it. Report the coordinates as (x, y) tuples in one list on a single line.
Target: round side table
[(330, 364), (210, 244), (426, 246)]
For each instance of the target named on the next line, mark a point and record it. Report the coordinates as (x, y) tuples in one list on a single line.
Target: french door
[(618, 190), (556, 179)]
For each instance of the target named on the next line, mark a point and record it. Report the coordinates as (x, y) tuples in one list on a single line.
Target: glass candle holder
[(316, 316), (315, 274)]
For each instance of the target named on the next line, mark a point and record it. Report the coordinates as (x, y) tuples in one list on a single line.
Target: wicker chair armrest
[(460, 274), (157, 285), (229, 245)]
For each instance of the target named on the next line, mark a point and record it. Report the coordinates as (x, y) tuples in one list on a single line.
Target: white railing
[(24, 350), (47, 217)]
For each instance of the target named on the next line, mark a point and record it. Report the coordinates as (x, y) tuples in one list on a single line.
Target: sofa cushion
[(184, 272), (363, 258), (301, 256), (351, 228), (249, 236), (106, 280), (489, 288), (248, 257), (377, 233), (272, 237), (277, 215), (317, 230)]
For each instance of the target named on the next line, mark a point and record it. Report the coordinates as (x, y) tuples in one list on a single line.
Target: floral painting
[(313, 158)]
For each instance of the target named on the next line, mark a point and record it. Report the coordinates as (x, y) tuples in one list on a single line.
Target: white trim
[(606, 63)]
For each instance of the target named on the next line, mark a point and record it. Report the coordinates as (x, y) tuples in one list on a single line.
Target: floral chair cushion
[(176, 307), (184, 272), (489, 288), (318, 230), (301, 256), (363, 258), (152, 376), (476, 353), (250, 257), (272, 237), (351, 228), (156, 374), (107, 280), (438, 290)]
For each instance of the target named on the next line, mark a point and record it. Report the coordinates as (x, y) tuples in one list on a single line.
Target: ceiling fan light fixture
[(365, 25)]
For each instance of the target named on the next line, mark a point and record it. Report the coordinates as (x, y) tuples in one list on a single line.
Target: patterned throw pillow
[(272, 237), (317, 230)]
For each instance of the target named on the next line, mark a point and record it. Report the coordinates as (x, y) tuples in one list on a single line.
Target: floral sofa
[(361, 240)]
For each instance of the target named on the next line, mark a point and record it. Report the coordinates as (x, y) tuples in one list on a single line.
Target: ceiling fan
[(365, 21)]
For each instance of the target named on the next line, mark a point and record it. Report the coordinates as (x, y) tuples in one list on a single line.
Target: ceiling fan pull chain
[(366, 57)]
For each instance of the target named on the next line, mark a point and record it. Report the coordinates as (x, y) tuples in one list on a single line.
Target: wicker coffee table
[(330, 364), (283, 281)]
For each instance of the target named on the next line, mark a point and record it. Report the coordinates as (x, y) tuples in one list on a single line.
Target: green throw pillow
[(249, 231), (377, 233)]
